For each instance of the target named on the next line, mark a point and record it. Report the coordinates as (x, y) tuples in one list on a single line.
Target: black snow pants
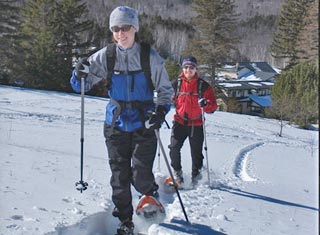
[(179, 133), (131, 157)]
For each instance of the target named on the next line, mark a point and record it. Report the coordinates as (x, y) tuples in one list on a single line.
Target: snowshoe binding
[(170, 184), (149, 207), (125, 228), (178, 180)]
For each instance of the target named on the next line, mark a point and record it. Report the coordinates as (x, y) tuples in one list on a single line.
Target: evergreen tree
[(9, 27), (308, 40), (172, 68), (37, 43), (306, 94), (51, 30), (289, 26), (282, 95), (68, 24), (295, 94), (215, 24)]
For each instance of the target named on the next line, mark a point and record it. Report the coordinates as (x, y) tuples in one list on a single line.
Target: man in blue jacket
[(131, 146)]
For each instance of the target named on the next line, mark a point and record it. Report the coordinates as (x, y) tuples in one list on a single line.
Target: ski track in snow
[(242, 163)]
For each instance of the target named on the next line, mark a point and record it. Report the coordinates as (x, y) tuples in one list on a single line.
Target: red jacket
[(188, 111)]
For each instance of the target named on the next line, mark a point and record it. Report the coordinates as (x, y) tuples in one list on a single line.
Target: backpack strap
[(145, 62), (176, 84), (202, 86), (111, 60)]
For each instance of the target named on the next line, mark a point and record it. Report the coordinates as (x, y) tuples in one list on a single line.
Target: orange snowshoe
[(149, 207)]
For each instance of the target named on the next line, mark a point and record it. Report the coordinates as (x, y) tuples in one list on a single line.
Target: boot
[(178, 177), (196, 176), (153, 192), (116, 212)]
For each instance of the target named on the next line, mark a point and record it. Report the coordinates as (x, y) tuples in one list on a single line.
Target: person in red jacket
[(192, 94)]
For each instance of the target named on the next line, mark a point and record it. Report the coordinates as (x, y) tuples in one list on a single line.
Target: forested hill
[(182, 9), (169, 21)]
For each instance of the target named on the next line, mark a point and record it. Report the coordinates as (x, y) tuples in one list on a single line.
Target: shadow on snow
[(100, 223), (186, 228), (103, 223), (261, 197)]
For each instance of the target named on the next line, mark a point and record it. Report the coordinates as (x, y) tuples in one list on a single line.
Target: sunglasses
[(124, 28), (189, 67)]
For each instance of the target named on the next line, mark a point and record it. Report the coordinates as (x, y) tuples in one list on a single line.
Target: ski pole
[(159, 159), (81, 185), (205, 143), (170, 172)]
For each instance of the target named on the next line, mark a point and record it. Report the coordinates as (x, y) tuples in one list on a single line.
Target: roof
[(263, 101), (244, 72), (258, 66), (265, 76)]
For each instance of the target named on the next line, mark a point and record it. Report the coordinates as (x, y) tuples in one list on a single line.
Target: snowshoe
[(170, 184), (149, 207), (125, 228)]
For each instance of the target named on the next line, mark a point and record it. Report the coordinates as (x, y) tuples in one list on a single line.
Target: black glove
[(82, 68), (202, 102), (156, 118)]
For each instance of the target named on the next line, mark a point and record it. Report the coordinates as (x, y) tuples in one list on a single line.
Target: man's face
[(189, 71)]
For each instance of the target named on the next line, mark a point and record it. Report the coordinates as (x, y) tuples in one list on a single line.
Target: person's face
[(189, 71), (124, 35)]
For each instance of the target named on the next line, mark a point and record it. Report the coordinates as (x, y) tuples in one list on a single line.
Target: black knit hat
[(190, 60)]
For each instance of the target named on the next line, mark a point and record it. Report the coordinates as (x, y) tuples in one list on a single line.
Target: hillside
[(261, 183)]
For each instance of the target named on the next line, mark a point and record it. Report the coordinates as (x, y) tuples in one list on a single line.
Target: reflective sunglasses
[(189, 67), (124, 28)]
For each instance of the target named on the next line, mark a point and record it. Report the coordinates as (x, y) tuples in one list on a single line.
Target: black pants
[(131, 157), (179, 134)]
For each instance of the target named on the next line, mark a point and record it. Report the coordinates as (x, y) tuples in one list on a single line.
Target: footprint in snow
[(16, 217)]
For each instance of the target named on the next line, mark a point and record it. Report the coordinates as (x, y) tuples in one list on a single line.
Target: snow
[(277, 70), (267, 83), (254, 84), (260, 183), (250, 78), (231, 84)]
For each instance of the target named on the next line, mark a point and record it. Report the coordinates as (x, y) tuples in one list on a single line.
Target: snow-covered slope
[(260, 183)]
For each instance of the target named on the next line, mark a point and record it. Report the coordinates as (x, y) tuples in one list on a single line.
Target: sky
[(260, 183)]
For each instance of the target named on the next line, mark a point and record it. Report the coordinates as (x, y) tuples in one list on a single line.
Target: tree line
[(295, 95), (40, 39)]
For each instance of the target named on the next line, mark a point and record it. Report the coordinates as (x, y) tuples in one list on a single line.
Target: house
[(245, 87), (255, 104), (261, 70)]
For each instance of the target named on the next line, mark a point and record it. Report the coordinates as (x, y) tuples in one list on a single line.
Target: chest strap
[(121, 105)]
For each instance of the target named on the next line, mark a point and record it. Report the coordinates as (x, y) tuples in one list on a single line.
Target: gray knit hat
[(124, 15)]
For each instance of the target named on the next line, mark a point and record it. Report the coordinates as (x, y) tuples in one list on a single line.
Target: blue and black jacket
[(131, 97)]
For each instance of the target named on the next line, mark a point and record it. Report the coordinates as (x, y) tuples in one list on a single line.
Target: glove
[(202, 102), (156, 118), (82, 68)]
